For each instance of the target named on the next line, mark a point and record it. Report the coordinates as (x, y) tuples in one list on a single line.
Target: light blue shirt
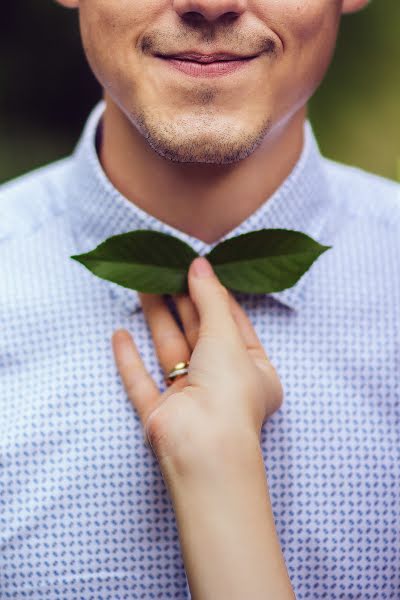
[(84, 509)]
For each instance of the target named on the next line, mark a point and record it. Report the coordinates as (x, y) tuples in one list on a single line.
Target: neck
[(202, 200)]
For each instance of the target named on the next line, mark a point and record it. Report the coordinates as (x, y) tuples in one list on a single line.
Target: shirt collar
[(98, 211)]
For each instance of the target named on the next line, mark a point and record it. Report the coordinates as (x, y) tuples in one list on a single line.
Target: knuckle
[(153, 429), (168, 432), (272, 385), (159, 432)]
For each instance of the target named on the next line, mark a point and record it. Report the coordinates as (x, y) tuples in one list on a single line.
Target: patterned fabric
[(84, 510)]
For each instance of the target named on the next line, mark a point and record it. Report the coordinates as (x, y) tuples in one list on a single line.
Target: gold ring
[(181, 368)]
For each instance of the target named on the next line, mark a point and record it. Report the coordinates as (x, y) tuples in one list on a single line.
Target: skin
[(219, 148)]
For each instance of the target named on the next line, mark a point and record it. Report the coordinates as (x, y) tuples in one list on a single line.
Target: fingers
[(139, 385), (211, 299), (189, 317), (169, 341), (191, 323)]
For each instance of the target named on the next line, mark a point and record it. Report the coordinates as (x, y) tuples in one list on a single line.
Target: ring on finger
[(180, 369)]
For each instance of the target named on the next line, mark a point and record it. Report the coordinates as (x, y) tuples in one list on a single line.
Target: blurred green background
[(47, 89)]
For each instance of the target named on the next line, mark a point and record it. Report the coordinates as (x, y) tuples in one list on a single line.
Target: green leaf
[(143, 260), (264, 261)]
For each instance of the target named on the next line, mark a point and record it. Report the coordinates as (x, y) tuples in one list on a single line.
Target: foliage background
[(47, 89)]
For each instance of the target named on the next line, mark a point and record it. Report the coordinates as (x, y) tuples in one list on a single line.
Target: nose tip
[(210, 9)]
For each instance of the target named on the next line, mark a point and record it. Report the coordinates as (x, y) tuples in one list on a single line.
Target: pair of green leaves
[(263, 261)]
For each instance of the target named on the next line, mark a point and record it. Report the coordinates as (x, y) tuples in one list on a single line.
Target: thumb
[(211, 299)]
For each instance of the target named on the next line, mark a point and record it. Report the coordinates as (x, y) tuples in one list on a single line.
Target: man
[(203, 152)]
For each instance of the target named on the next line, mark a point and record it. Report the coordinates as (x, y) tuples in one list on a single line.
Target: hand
[(231, 387)]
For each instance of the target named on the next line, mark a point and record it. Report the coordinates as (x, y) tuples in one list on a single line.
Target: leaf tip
[(77, 258)]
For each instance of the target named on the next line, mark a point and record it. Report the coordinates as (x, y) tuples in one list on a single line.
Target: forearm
[(227, 533)]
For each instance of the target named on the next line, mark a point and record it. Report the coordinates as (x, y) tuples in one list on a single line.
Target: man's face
[(209, 119)]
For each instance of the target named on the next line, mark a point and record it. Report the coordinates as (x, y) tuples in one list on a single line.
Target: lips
[(214, 68), (206, 58)]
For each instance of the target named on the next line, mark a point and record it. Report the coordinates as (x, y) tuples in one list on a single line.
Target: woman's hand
[(231, 387)]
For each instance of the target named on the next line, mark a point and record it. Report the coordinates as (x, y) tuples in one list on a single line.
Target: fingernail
[(202, 268)]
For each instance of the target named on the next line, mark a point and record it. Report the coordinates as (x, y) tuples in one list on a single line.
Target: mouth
[(207, 58), (206, 65)]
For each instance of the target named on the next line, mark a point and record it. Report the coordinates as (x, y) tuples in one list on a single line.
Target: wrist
[(218, 454), (226, 527)]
